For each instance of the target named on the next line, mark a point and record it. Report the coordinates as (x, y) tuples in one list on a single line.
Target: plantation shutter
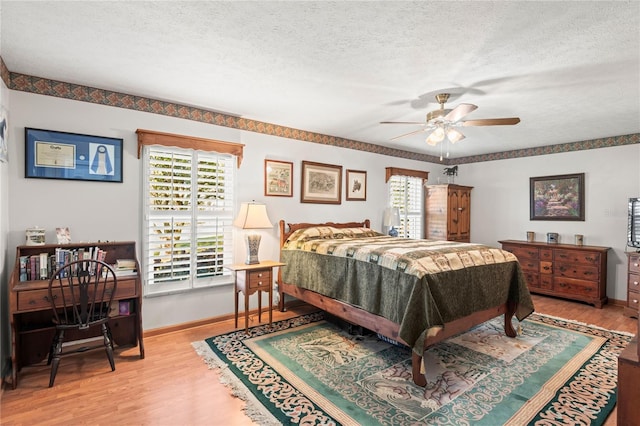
[(406, 193), (189, 214)]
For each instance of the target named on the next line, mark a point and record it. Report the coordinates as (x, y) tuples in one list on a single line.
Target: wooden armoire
[(448, 212)]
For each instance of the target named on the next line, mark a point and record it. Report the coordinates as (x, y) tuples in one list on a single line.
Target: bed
[(415, 292)]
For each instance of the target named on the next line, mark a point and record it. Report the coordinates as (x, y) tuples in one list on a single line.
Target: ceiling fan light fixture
[(436, 136), (454, 136)]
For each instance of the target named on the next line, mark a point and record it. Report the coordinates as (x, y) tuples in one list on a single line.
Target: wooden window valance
[(150, 137), (396, 171)]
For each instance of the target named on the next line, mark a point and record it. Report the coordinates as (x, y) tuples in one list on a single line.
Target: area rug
[(307, 370)]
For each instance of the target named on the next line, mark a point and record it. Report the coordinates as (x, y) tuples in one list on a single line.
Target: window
[(188, 217), (405, 192)]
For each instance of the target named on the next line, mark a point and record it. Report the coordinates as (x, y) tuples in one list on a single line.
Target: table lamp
[(391, 219), (252, 216)]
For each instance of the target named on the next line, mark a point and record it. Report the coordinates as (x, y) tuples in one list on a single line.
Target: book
[(24, 260), (125, 263), (44, 261)]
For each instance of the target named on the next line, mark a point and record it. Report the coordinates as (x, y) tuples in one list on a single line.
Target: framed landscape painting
[(559, 197), (321, 183)]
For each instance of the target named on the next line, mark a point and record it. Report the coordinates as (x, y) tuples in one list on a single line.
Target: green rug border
[(283, 418)]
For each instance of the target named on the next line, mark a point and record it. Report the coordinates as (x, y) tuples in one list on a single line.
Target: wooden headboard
[(287, 229)]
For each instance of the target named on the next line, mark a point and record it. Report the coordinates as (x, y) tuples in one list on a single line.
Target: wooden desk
[(249, 279), (30, 313)]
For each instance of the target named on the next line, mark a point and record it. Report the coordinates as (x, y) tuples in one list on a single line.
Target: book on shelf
[(41, 266)]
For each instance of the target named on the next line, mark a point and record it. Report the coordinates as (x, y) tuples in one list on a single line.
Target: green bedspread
[(418, 284)]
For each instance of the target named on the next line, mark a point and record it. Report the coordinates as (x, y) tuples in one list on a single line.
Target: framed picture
[(278, 178), (321, 183), (60, 155), (356, 185), (558, 197)]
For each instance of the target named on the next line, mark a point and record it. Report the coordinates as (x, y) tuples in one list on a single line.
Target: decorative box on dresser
[(563, 270), (448, 212), (633, 285)]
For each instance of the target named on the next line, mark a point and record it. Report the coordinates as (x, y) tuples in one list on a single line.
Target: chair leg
[(54, 356), (108, 344)]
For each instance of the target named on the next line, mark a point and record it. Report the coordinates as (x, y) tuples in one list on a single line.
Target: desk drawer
[(39, 299), (259, 278)]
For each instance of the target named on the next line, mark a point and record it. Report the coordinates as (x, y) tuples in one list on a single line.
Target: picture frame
[(356, 182), (321, 183), (559, 197), (51, 154), (278, 178)]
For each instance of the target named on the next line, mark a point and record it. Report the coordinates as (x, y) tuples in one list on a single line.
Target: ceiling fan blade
[(460, 111), (402, 122), (408, 134), (492, 122)]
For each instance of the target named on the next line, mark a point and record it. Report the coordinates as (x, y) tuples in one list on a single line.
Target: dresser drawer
[(575, 287), (576, 270), (260, 278), (546, 282), (634, 263), (633, 300), (634, 283), (546, 267), (574, 256), (546, 254), (529, 265), (522, 253), (533, 280)]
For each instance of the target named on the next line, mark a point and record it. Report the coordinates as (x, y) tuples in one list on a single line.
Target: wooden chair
[(81, 293)]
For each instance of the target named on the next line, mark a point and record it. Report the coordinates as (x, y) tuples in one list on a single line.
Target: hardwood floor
[(172, 385)]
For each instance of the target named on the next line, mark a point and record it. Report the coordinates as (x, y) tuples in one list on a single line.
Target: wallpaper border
[(60, 89)]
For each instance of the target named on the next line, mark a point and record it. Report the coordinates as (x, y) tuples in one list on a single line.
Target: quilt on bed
[(418, 284)]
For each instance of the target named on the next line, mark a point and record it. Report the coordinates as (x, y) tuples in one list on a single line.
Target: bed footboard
[(390, 329)]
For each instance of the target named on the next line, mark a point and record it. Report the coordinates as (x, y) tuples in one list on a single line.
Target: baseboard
[(212, 320)]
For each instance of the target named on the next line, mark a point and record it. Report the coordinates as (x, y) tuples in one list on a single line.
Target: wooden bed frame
[(377, 323)]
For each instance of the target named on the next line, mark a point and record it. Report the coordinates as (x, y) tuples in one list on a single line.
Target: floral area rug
[(307, 370)]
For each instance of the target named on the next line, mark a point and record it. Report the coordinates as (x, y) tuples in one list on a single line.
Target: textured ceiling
[(569, 70)]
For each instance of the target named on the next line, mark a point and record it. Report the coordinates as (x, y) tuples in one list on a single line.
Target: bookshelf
[(30, 310)]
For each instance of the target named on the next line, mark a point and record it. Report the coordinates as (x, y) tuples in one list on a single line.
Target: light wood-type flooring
[(172, 385)]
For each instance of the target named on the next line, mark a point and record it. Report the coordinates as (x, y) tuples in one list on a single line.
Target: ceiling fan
[(442, 122)]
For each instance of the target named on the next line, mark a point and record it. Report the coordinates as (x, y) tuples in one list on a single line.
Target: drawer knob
[(636, 264), (635, 300), (260, 274), (635, 283)]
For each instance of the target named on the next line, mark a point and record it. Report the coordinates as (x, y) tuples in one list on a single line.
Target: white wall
[(500, 201), (112, 211)]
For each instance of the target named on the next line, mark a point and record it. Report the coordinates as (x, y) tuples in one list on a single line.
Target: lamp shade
[(391, 217), (252, 216)]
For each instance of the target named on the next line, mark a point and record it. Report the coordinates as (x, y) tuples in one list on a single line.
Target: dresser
[(448, 212), (633, 285), (563, 270)]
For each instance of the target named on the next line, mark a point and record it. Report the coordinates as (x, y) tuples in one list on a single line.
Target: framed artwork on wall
[(356, 185), (321, 183), (50, 154), (559, 197), (278, 178)]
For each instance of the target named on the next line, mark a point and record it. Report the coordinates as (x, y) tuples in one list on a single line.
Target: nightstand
[(249, 279)]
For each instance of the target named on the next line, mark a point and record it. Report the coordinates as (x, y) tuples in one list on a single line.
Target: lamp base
[(393, 232), (253, 244)]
